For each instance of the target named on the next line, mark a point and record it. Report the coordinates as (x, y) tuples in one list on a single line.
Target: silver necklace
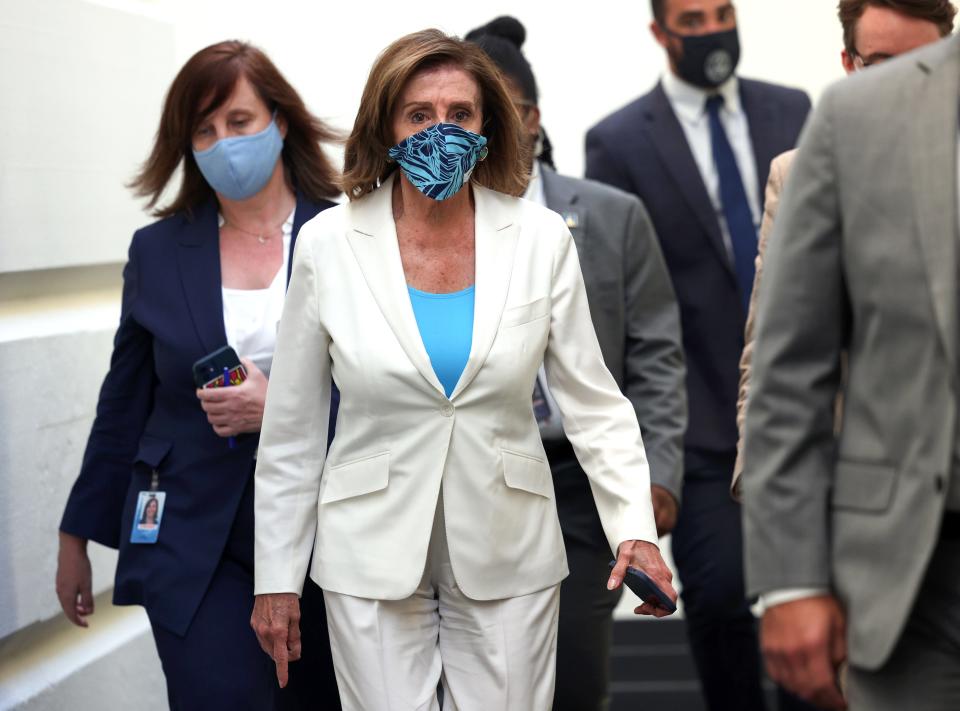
[(259, 235)]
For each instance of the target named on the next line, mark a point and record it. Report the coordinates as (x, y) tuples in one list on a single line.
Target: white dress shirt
[(689, 103), (250, 316)]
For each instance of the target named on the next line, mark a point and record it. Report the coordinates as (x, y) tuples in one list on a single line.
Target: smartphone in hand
[(645, 589), (208, 372)]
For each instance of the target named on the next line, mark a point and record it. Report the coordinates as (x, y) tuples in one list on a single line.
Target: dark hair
[(939, 12), (502, 40), (146, 506), (659, 10), (365, 163), (204, 83)]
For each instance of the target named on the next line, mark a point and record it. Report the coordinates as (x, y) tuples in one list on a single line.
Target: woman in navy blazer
[(253, 174)]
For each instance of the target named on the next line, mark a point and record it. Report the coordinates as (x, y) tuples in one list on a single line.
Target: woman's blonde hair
[(366, 166)]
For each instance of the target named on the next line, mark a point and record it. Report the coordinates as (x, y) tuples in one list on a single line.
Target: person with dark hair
[(696, 149), (875, 30), (151, 512), (637, 321), (432, 519), (211, 272)]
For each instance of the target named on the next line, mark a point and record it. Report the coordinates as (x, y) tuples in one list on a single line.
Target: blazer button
[(447, 410)]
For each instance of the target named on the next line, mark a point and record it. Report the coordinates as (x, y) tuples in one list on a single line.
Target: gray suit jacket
[(864, 258), (634, 311)]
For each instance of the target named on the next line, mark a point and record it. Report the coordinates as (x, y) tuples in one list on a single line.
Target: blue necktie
[(736, 207)]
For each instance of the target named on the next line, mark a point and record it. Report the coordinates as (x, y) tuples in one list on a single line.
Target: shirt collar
[(690, 102), (534, 191)]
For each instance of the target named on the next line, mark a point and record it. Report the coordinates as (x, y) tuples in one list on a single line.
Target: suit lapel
[(198, 258), (934, 168), (495, 238), (306, 210), (763, 121), (373, 240), (670, 142)]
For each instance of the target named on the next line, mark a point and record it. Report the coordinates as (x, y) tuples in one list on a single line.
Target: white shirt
[(250, 316), (689, 103)]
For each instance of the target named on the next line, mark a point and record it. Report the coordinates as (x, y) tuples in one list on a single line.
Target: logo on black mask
[(707, 60)]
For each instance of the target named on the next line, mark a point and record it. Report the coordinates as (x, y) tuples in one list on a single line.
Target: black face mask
[(707, 60)]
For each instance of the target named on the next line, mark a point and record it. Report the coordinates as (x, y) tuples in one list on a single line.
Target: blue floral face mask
[(438, 160)]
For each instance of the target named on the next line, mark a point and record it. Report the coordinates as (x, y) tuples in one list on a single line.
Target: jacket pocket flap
[(356, 477), (519, 315), (521, 471), (863, 486), (152, 451)]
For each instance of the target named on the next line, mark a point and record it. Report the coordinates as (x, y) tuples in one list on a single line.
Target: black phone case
[(645, 589), (212, 365)]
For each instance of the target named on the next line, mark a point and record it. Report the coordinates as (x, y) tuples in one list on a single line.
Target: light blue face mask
[(438, 160), (240, 166)]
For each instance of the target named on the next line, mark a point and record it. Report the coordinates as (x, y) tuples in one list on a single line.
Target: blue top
[(446, 327)]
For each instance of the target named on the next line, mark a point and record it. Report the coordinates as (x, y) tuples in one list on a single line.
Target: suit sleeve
[(293, 439), (603, 166), (801, 324), (771, 206), (598, 419), (95, 504), (654, 363)]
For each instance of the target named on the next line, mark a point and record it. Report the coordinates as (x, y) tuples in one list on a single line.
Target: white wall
[(81, 86)]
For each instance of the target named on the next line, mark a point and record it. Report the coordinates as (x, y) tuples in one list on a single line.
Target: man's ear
[(847, 59)]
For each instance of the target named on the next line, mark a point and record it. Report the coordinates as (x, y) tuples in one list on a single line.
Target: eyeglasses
[(860, 63)]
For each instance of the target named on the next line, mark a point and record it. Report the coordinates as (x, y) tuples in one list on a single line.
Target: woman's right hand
[(276, 621), (74, 579)]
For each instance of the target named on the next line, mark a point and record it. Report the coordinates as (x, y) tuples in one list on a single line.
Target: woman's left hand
[(238, 408), (646, 557)]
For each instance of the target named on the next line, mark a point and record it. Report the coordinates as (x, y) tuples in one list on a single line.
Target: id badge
[(148, 516)]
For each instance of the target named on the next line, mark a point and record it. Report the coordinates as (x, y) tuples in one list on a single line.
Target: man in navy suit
[(697, 149)]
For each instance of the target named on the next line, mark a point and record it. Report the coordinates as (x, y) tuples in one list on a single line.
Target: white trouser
[(496, 655)]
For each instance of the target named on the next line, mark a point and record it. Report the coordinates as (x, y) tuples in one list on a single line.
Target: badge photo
[(148, 516)]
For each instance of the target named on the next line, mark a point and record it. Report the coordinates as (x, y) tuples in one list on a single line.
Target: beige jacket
[(779, 168)]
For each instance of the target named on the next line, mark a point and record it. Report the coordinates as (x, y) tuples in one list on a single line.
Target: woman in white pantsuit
[(431, 299)]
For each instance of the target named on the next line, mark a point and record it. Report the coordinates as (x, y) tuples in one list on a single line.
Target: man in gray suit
[(863, 528), (637, 321)]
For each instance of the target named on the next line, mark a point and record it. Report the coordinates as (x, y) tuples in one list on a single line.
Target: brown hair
[(939, 12), (206, 81), (365, 163)]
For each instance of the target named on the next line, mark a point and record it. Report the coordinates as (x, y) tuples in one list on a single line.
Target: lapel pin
[(572, 219)]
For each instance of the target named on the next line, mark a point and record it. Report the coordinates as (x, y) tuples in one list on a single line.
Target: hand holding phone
[(644, 588), (208, 372)]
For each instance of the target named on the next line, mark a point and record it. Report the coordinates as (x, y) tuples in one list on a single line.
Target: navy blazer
[(642, 149), (149, 418)]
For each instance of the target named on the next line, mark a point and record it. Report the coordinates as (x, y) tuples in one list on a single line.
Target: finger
[(216, 407), (259, 630), (280, 657), (86, 603), (293, 640), (225, 431), (829, 698), (823, 681), (214, 394), (619, 570)]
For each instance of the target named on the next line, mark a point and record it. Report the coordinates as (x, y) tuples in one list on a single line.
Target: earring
[(484, 152)]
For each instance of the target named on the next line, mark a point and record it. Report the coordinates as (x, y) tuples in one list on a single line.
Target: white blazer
[(366, 508)]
